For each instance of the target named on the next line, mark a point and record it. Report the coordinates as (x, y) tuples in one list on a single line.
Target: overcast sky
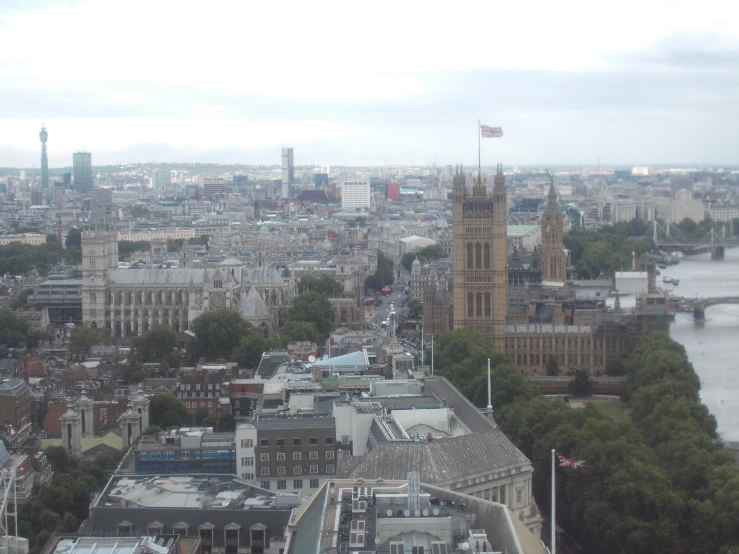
[(350, 83)]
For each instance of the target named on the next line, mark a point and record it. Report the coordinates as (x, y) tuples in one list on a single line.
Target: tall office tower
[(102, 209), (552, 241), (480, 257), (288, 172), (44, 136), (37, 197), (160, 178), (355, 195), (67, 179), (82, 168), (60, 196)]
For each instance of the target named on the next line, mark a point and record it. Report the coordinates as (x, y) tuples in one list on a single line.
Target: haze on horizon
[(403, 83)]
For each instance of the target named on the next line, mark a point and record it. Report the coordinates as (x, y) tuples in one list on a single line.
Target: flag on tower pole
[(491, 132)]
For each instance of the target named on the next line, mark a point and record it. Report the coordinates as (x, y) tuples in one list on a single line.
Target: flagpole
[(479, 156), (554, 517)]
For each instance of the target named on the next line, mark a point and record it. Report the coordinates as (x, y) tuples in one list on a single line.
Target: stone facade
[(553, 268), (480, 258), (128, 302)]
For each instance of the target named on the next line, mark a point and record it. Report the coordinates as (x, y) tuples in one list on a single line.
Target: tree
[(312, 307), (325, 285), (415, 307), (166, 410), (580, 384), (59, 459), (424, 255), (201, 414), (217, 333), (248, 353), (13, 329), (227, 424), (22, 299), (295, 331), (74, 238), (153, 430), (383, 275), (84, 336), (552, 367), (156, 344), (128, 247)]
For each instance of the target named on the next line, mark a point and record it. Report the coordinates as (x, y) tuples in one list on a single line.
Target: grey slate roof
[(155, 276), (439, 461), (463, 408), (253, 306)]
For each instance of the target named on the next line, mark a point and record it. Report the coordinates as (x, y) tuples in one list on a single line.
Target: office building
[(37, 197), (405, 516), (355, 195), (15, 409), (160, 178), (320, 180), (187, 450), (44, 136), (67, 179), (82, 168), (102, 209), (288, 172)]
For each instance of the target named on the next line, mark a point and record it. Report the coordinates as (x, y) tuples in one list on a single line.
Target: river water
[(713, 347)]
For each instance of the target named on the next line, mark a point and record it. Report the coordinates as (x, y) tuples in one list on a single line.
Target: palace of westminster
[(523, 302)]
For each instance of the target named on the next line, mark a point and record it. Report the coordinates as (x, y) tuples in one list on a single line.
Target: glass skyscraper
[(82, 169)]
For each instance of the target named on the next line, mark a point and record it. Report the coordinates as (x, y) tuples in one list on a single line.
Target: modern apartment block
[(287, 453), (188, 450)]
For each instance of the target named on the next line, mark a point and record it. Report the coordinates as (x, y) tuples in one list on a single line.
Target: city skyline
[(647, 84)]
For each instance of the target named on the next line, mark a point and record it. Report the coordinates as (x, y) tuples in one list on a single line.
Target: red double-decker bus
[(387, 291)]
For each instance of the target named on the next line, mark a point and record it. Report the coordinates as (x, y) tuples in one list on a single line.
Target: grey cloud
[(702, 51)]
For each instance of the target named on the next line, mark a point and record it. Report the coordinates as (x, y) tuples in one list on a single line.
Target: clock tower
[(99, 255)]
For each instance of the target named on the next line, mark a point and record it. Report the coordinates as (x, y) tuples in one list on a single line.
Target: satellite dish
[(417, 513), (436, 511), (325, 357), (407, 513), (311, 358), (425, 511), (389, 513)]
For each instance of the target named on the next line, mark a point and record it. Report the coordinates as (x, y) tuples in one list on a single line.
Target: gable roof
[(439, 461), (253, 306)]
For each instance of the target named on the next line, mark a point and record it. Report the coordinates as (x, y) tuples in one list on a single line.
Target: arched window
[(478, 252), (93, 297), (469, 256), (487, 304), (470, 307), (487, 256), (92, 263), (479, 304)]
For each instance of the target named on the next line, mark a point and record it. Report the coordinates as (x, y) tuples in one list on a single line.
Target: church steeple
[(480, 187), (552, 196)]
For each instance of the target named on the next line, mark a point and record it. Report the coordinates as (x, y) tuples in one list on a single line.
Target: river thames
[(713, 347)]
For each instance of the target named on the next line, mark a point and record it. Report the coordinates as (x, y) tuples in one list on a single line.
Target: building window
[(280, 442), (297, 470), (264, 442), (264, 485), (314, 469), (478, 256), (280, 456), (103, 412), (281, 470), (264, 471), (519, 496), (297, 483), (487, 304), (329, 440), (296, 442), (264, 457), (469, 256), (247, 461), (470, 305), (329, 454), (313, 441), (345, 439), (297, 455), (232, 535), (247, 476), (329, 469), (313, 455), (314, 483), (217, 284), (281, 485), (93, 297), (479, 304), (247, 443), (487, 256)]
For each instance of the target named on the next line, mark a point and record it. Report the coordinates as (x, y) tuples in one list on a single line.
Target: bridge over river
[(699, 305)]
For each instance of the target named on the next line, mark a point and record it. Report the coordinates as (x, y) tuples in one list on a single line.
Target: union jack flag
[(491, 132), (566, 462)]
